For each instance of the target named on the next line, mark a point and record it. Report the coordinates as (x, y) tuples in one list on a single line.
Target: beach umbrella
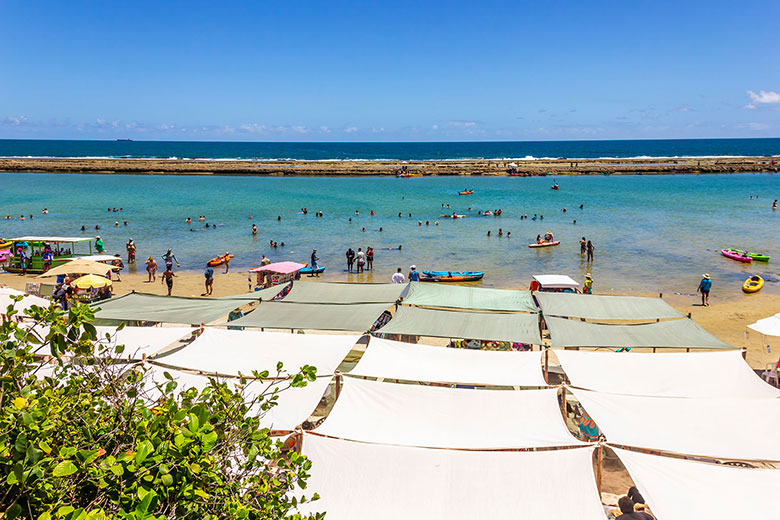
[(78, 266), (91, 281)]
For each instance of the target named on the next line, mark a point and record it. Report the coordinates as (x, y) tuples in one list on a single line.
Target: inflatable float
[(219, 260), (467, 192), (753, 284), (545, 244), (735, 256), (454, 215), (451, 276), (758, 257)]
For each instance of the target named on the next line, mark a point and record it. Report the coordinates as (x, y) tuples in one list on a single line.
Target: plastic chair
[(771, 375)]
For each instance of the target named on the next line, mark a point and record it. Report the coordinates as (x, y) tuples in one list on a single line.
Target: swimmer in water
[(279, 218), (488, 233), (254, 230)]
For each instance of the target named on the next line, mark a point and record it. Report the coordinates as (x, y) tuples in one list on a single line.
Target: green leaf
[(13, 511), (21, 443), (65, 468), (44, 516), (45, 447), (167, 480), (144, 449)]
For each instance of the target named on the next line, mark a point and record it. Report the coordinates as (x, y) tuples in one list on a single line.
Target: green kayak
[(758, 257)]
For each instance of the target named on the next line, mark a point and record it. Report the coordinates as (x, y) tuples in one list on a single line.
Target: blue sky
[(267, 70)]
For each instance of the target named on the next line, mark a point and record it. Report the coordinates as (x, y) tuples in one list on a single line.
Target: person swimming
[(538, 239)]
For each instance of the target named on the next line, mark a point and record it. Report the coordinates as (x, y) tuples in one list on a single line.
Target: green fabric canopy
[(313, 316), (601, 307), (665, 334), (475, 298), (264, 294), (163, 309), (344, 293), (495, 326)]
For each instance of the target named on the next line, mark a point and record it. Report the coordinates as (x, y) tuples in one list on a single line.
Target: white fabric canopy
[(27, 302), (437, 417), (397, 360), (357, 481), (686, 374), (768, 326), (137, 341), (743, 429), (294, 405), (678, 489), (229, 352)]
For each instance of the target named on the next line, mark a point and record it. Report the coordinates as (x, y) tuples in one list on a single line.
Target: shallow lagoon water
[(651, 233)]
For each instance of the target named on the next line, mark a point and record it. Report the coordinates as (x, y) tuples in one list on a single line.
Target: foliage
[(95, 438)]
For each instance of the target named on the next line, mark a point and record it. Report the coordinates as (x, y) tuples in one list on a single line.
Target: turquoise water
[(654, 233)]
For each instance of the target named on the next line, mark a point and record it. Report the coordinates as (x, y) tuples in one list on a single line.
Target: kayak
[(545, 244), (753, 284), (309, 270), (758, 257), (451, 276), (467, 192), (219, 260), (735, 256)]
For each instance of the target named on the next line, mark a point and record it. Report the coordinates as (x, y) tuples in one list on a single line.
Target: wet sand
[(382, 167)]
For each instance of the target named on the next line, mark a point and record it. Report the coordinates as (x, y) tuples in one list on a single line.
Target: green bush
[(95, 439)]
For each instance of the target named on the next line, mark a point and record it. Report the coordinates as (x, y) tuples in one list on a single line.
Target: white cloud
[(762, 98), (755, 126), (435, 127), (462, 124), (324, 129), (350, 129), (15, 120)]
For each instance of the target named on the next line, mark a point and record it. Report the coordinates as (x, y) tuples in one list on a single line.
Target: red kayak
[(735, 256), (545, 244)]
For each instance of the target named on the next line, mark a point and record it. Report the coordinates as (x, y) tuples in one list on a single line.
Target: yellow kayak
[(753, 284)]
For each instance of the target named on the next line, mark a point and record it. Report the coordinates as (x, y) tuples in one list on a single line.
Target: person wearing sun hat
[(704, 288), (588, 284)]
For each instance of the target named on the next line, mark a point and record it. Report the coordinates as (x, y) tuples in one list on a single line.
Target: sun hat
[(587, 275), (706, 275)]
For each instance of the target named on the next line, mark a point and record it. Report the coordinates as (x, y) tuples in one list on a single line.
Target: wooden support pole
[(563, 402), (744, 354), (338, 384), (547, 366), (599, 467)]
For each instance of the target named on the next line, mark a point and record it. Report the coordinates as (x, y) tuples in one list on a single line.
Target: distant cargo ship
[(124, 139)]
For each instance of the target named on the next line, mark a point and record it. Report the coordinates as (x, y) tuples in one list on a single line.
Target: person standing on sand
[(590, 248), (350, 259), (588, 284), (704, 288), (170, 258), (227, 262), (209, 274), (151, 268), (398, 277), (167, 277)]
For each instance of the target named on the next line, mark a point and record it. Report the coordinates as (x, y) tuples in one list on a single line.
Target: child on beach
[(167, 277)]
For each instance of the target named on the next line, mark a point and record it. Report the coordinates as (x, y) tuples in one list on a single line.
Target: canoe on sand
[(753, 284)]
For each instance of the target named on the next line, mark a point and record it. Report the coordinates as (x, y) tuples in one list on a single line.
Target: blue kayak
[(451, 276), (309, 270)]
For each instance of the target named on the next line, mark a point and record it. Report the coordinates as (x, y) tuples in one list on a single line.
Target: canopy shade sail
[(28, 301), (279, 267), (474, 298), (294, 405), (767, 326), (668, 374), (313, 316), (359, 480), (666, 334), (163, 309), (264, 294), (724, 492), (599, 307), (743, 429), (397, 360), (138, 342), (229, 352), (490, 326), (440, 417), (334, 293)]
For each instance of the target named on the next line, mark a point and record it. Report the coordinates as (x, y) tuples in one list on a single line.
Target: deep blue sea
[(436, 151)]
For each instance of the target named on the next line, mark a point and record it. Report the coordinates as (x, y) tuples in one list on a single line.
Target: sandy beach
[(648, 166), (726, 318)]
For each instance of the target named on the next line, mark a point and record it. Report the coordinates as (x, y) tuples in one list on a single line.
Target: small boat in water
[(219, 260), (466, 192), (753, 284), (545, 244), (758, 257), (451, 276), (555, 187), (735, 256)]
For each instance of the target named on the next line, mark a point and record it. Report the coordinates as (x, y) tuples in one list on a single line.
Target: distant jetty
[(480, 167)]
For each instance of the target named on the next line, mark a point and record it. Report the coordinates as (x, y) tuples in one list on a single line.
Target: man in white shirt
[(398, 277)]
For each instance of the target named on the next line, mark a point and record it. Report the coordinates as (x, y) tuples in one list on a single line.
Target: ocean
[(654, 233), (435, 151)]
